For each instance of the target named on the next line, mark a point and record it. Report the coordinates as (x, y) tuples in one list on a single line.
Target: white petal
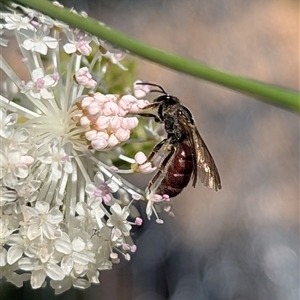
[(42, 207), (37, 74), (46, 94), (28, 44), (3, 254), (80, 258), (54, 271), (67, 264), (78, 244), (33, 231), (50, 42), (26, 264), (13, 254), (81, 284), (40, 47), (69, 48), (55, 216), (37, 278), (16, 279), (63, 246), (21, 171)]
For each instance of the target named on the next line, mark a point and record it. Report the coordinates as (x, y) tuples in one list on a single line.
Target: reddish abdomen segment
[(179, 172)]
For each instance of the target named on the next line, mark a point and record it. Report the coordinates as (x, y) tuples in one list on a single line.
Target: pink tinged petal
[(130, 123), (37, 74), (113, 141), (122, 134), (37, 278), (115, 122), (62, 246), (99, 143), (85, 121), (14, 253), (54, 271), (101, 99), (67, 264), (140, 157), (91, 135), (33, 231), (93, 108), (110, 109), (86, 101), (69, 48), (26, 160), (138, 221), (28, 213), (49, 81), (102, 122)]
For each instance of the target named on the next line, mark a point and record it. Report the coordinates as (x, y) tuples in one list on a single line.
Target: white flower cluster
[(64, 208)]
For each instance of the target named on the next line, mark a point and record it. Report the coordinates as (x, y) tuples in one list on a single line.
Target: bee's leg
[(156, 118), (167, 160), (155, 150)]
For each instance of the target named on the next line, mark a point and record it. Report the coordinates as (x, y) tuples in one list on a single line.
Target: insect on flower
[(187, 154)]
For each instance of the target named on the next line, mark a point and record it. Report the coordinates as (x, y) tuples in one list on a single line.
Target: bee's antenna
[(153, 84)]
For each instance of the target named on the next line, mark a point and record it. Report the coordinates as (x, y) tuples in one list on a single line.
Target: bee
[(187, 155)]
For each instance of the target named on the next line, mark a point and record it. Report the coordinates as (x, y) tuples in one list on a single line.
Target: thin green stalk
[(265, 92)]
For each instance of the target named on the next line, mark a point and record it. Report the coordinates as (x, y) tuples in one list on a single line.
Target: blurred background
[(240, 243)]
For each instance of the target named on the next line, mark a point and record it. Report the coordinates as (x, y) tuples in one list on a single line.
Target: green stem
[(265, 92)]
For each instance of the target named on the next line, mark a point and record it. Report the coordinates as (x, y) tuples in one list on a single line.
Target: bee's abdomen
[(179, 172)]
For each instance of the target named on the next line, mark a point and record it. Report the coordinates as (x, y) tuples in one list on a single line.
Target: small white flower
[(13, 166), (78, 43), (41, 220), (40, 86), (17, 22), (39, 41), (118, 219)]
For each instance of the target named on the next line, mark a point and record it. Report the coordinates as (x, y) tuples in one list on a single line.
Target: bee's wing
[(208, 172)]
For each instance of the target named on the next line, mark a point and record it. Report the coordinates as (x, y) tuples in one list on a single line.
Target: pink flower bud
[(100, 98), (140, 90), (115, 122), (93, 108), (84, 121), (90, 135), (130, 123), (110, 109), (86, 101), (84, 78), (26, 160), (112, 141), (122, 134), (102, 122), (84, 48), (100, 142), (138, 221)]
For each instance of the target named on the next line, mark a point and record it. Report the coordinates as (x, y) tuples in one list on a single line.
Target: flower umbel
[(64, 208)]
